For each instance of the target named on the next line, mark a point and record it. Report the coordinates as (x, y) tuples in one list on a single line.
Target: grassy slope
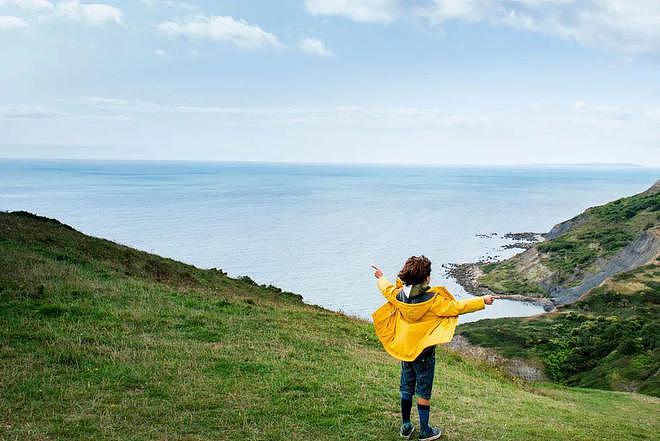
[(604, 230), (98, 341), (608, 339)]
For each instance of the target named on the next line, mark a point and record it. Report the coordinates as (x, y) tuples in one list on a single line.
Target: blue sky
[(418, 81)]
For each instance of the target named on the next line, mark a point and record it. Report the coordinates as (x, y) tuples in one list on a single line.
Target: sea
[(315, 229)]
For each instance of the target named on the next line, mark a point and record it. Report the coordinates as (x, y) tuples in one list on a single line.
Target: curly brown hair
[(415, 270)]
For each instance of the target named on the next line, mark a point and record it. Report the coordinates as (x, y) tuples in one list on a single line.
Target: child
[(415, 318)]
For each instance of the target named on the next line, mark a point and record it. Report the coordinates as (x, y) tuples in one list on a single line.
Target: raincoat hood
[(406, 329), (414, 311), (412, 291)]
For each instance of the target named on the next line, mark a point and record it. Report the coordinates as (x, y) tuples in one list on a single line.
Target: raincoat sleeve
[(387, 288), (448, 307)]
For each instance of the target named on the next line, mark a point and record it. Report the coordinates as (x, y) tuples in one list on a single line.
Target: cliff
[(582, 252)]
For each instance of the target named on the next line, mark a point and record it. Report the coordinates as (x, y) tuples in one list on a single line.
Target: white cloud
[(91, 13), (621, 25), (313, 46), (411, 117), (9, 22), (513, 134), (160, 53), (222, 28), (468, 10), (368, 11), (23, 112), (653, 115), (628, 26), (101, 101), (28, 112), (172, 4), (32, 5)]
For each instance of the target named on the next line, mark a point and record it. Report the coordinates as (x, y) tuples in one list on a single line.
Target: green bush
[(630, 346)]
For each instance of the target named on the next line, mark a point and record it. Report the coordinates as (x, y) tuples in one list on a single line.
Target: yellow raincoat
[(406, 329)]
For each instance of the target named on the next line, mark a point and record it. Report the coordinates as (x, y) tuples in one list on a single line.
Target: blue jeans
[(417, 375)]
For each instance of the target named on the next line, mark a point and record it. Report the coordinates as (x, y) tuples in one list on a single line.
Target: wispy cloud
[(546, 133), (90, 13), (36, 112), (31, 5), (101, 101), (170, 4), (313, 46), (9, 23), (28, 112), (620, 25), (222, 28), (367, 11), (626, 26), (431, 118)]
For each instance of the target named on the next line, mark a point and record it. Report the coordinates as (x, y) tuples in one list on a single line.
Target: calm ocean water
[(313, 229)]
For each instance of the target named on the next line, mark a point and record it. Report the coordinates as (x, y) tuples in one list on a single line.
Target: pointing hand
[(378, 273), (489, 299)]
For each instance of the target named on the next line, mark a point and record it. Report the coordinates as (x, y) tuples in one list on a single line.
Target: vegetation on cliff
[(606, 333), (609, 339), (101, 341)]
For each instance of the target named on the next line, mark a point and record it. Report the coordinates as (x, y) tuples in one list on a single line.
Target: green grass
[(610, 339), (603, 232), (99, 341)]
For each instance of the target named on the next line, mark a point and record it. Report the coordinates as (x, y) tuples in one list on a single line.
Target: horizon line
[(339, 163)]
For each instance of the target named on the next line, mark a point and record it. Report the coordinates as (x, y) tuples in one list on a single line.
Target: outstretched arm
[(452, 308), (386, 287)]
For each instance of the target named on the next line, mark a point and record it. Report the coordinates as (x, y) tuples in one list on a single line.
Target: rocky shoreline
[(524, 240), (467, 274), (526, 236)]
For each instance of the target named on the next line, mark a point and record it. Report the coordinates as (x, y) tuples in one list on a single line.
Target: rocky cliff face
[(643, 250)]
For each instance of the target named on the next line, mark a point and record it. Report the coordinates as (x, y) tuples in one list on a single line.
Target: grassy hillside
[(590, 239), (609, 339), (99, 341)]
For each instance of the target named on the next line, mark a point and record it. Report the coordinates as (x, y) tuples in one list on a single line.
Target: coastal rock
[(466, 275), (520, 245), (525, 236)]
